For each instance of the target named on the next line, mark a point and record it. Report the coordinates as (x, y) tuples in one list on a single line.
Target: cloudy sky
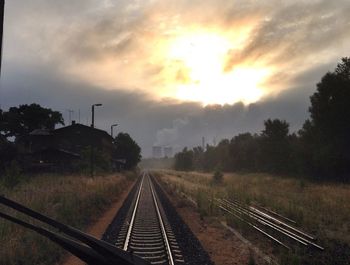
[(172, 71)]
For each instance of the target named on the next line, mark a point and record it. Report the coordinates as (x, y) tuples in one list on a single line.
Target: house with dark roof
[(78, 137), (62, 148)]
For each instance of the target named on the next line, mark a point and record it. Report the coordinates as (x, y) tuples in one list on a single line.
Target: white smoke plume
[(170, 136)]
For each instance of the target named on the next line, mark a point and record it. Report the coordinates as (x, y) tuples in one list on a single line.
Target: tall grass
[(322, 209), (73, 200)]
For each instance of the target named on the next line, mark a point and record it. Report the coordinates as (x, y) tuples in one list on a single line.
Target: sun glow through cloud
[(187, 66), (215, 52), (203, 77)]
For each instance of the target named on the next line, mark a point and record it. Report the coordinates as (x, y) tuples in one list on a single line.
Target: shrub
[(12, 175), (218, 177), (131, 175)]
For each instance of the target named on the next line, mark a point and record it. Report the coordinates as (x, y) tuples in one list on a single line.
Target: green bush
[(218, 177), (131, 175), (12, 175)]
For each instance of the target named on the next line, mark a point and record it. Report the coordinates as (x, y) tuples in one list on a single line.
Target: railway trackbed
[(145, 230)]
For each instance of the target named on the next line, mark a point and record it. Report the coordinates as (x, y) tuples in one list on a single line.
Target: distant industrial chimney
[(157, 151), (168, 151)]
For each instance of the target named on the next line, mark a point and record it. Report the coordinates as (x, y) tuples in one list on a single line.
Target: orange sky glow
[(213, 53), (183, 63)]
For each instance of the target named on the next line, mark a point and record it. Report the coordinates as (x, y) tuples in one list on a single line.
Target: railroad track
[(146, 231), (278, 228)]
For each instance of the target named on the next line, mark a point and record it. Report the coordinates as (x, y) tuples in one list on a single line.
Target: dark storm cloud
[(295, 30), (150, 122), (135, 112), (41, 36)]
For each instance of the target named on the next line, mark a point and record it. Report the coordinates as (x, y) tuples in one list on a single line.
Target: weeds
[(12, 176), (73, 200), (321, 209), (131, 175), (218, 178)]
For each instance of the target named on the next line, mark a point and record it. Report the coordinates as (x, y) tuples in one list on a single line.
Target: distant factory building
[(168, 151), (157, 151)]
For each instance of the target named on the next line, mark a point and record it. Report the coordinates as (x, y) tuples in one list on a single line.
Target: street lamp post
[(2, 7), (93, 113), (92, 144), (113, 125)]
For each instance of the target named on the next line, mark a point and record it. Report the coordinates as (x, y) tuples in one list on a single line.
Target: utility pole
[(93, 113), (92, 144), (113, 125), (70, 112), (2, 9)]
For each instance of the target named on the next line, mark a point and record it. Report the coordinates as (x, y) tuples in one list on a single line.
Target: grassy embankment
[(73, 200), (321, 209)]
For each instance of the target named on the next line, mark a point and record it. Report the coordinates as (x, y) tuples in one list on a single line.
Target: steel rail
[(277, 214), (170, 256), (250, 208), (263, 219), (262, 216), (281, 223), (255, 227), (131, 224), (267, 222), (273, 226), (280, 229)]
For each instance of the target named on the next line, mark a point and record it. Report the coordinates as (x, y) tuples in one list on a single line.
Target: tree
[(222, 158), (19, 121), (8, 153), (275, 151), (198, 156), (126, 148), (243, 152), (328, 131), (275, 130), (184, 160)]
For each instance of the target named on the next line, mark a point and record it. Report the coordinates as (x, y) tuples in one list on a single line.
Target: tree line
[(319, 150), (19, 122)]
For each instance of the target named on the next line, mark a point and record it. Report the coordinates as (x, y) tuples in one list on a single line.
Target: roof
[(40, 132), (84, 127), (58, 150)]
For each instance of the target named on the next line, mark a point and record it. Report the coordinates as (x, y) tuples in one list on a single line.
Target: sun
[(201, 74)]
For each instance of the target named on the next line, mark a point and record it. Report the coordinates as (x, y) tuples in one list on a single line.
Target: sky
[(170, 72)]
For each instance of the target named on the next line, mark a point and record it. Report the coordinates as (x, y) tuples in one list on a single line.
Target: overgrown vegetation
[(12, 175), (28, 137), (74, 200), (320, 209), (218, 177), (320, 150), (20, 121), (102, 162), (126, 148)]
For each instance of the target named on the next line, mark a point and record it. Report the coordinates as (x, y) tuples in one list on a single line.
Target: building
[(63, 148), (78, 137), (157, 151), (168, 151)]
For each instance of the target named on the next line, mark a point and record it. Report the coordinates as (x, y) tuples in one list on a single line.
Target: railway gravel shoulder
[(191, 248)]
